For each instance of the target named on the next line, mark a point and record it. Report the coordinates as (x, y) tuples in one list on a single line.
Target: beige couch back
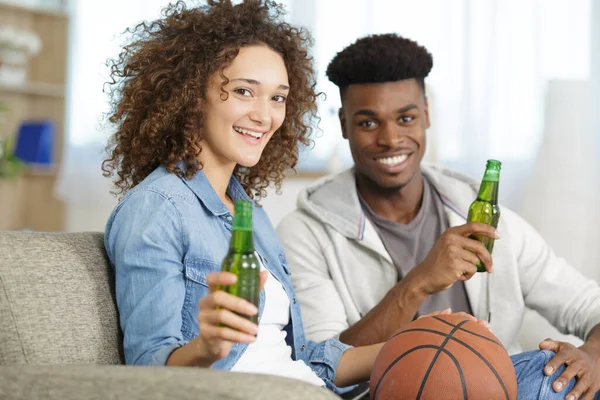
[(57, 304)]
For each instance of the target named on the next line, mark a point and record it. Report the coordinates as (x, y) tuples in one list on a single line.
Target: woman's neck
[(219, 175)]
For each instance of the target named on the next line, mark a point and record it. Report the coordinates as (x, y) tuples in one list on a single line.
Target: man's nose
[(389, 136)]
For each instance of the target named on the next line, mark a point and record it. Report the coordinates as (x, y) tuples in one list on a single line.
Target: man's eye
[(406, 118), (367, 123)]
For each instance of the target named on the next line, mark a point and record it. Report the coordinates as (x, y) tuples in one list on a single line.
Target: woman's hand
[(220, 327)]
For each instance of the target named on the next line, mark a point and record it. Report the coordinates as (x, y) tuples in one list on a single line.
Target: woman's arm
[(193, 354), (356, 364), (145, 244)]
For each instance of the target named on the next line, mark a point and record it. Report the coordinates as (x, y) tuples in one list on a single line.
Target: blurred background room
[(515, 80)]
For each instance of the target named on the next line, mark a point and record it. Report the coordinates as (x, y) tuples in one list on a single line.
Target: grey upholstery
[(56, 301), (119, 382), (57, 309)]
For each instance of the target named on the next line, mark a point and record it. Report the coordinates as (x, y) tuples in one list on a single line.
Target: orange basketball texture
[(443, 357)]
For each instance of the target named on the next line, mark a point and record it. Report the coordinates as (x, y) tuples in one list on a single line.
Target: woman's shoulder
[(161, 184), (160, 196)]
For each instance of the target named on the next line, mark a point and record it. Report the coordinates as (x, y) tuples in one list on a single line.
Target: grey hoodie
[(341, 269)]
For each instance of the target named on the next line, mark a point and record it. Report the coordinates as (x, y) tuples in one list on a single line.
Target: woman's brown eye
[(243, 92)]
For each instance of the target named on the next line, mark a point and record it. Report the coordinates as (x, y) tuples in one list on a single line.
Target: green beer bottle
[(241, 258), (485, 208)]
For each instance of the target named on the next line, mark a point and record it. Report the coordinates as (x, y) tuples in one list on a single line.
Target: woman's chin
[(248, 161)]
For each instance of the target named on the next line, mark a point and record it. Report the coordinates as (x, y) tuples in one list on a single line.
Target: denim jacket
[(163, 238)]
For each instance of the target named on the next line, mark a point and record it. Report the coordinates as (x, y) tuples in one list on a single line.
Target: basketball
[(443, 357)]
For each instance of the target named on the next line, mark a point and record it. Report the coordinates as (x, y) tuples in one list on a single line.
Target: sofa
[(60, 337)]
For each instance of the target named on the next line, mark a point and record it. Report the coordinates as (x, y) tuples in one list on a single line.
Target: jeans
[(532, 383)]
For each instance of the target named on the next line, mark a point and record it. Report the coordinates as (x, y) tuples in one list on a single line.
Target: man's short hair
[(379, 59)]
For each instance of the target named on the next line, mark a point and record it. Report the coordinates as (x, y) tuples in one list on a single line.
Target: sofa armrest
[(91, 382)]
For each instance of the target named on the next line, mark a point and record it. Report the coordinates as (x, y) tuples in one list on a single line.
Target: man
[(374, 246)]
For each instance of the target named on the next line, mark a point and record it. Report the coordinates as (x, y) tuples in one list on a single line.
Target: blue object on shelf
[(35, 142)]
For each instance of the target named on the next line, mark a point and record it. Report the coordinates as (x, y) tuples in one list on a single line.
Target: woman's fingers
[(223, 317), (217, 279)]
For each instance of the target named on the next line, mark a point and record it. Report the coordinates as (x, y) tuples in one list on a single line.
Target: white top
[(270, 354)]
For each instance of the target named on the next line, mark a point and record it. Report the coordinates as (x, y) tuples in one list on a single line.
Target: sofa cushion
[(95, 382), (56, 300)]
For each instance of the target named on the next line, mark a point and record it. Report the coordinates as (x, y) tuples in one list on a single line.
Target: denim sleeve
[(145, 245), (323, 359)]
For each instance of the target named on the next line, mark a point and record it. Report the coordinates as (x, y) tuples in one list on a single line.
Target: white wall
[(93, 217)]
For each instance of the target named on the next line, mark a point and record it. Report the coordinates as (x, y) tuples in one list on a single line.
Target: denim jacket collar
[(204, 191)]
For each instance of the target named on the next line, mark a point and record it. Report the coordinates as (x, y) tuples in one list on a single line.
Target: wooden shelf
[(34, 203), (43, 11), (51, 171), (305, 174), (35, 89)]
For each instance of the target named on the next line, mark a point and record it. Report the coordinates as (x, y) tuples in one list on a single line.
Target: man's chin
[(387, 182), (393, 184), (392, 187)]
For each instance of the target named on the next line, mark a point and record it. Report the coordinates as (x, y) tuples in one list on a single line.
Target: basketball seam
[(425, 346), (435, 357), (389, 367), (463, 383), (439, 333), (465, 345), (468, 331)]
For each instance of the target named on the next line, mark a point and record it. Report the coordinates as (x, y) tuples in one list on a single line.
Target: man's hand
[(454, 257), (581, 362)]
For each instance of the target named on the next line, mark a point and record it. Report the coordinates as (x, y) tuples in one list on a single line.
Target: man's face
[(385, 125)]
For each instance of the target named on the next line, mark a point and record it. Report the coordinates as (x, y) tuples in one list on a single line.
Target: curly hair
[(378, 59), (160, 78)]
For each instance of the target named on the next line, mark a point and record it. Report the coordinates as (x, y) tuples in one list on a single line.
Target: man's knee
[(532, 382), (531, 362)]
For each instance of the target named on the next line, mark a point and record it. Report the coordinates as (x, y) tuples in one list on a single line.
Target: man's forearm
[(395, 310)]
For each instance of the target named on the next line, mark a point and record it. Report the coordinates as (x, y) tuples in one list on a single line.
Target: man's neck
[(399, 205)]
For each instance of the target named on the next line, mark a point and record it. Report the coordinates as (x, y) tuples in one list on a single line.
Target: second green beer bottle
[(241, 258), (485, 208)]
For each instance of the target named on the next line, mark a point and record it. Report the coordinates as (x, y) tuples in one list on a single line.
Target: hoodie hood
[(333, 200)]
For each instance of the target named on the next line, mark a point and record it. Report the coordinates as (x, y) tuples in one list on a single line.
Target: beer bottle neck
[(242, 241), (488, 191)]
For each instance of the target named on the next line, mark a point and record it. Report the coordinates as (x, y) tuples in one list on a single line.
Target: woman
[(210, 106)]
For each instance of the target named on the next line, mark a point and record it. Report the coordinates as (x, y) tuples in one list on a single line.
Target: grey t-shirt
[(409, 244)]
